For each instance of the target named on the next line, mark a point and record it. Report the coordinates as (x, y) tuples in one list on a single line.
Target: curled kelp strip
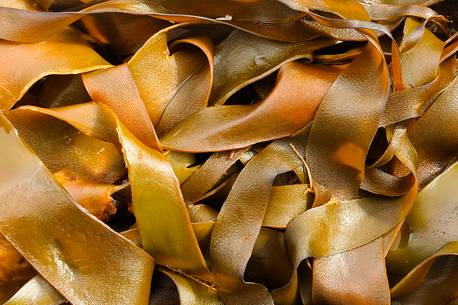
[(54, 243)]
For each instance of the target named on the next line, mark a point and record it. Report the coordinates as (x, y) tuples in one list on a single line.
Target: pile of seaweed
[(233, 152)]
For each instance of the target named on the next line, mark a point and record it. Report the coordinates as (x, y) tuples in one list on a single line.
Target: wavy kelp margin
[(228, 152)]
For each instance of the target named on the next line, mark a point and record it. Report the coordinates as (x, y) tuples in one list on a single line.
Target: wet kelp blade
[(242, 59), (432, 280), (220, 128), (158, 204), (191, 292), (353, 286), (209, 174), (67, 52), (62, 148), (242, 215), (434, 135), (14, 270), (162, 87), (160, 210), (62, 241), (430, 223), (124, 100), (339, 139), (268, 20), (37, 291), (335, 152)]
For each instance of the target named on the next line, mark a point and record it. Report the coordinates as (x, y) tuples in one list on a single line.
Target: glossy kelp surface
[(228, 152)]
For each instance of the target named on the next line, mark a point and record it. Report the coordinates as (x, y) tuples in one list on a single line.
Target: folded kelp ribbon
[(269, 18), (73, 250), (270, 181), (176, 265)]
